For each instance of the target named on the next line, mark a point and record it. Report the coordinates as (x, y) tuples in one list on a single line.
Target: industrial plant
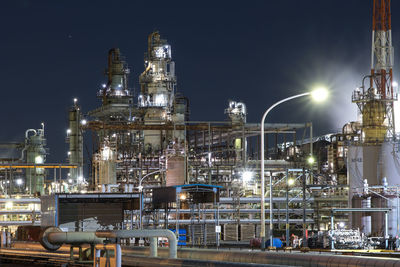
[(138, 163)]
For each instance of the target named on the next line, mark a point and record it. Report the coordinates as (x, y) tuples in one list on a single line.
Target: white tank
[(390, 163), (362, 164), (390, 169), (366, 219), (175, 171)]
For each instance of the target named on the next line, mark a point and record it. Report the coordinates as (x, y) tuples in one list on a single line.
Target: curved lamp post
[(318, 95), (140, 188)]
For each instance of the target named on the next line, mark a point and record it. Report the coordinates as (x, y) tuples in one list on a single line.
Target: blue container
[(277, 243), (182, 236)]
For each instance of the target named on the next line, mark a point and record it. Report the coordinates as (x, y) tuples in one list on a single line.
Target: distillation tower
[(35, 153), (75, 140), (372, 159)]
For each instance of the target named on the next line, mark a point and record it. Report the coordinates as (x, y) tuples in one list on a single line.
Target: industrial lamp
[(318, 95)]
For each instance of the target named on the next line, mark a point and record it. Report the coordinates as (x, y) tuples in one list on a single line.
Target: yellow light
[(311, 160), (9, 205), (291, 181), (320, 94), (182, 196)]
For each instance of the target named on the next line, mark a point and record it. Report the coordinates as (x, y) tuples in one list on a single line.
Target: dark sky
[(253, 51)]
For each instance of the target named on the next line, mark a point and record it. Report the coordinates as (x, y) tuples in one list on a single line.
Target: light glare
[(311, 160), (247, 176), (320, 94)]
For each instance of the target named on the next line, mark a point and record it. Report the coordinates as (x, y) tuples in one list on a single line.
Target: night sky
[(252, 51)]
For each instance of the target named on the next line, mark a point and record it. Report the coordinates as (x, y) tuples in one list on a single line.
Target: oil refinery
[(140, 174)]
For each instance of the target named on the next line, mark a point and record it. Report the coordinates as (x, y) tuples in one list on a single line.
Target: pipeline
[(28, 131), (153, 37), (52, 238), (26, 142), (145, 233), (278, 258)]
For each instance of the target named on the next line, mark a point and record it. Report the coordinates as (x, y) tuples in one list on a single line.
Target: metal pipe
[(304, 243), (397, 211), (332, 232), (74, 238), (153, 246), (386, 231), (212, 211), (287, 208), (28, 131), (224, 221), (173, 244), (52, 238)]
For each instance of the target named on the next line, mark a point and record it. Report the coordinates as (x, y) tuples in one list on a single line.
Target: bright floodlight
[(247, 175), (291, 181), (9, 205), (311, 160), (39, 159), (320, 94), (19, 181)]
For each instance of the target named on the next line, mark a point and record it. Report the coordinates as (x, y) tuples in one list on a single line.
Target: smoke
[(343, 82), (341, 78), (396, 108)]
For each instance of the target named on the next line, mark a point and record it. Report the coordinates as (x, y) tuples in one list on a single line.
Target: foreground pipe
[(145, 233), (153, 246), (52, 238)]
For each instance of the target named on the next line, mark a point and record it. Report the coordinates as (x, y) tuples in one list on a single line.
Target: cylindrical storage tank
[(355, 217), (366, 218), (107, 166), (378, 218), (175, 171), (390, 169), (392, 217), (391, 163), (107, 170)]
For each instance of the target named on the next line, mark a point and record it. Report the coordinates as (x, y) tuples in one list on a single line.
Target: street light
[(140, 188), (317, 95)]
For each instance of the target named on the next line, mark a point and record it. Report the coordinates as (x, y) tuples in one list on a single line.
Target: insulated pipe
[(74, 238), (153, 246), (52, 238), (28, 131), (144, 233)]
